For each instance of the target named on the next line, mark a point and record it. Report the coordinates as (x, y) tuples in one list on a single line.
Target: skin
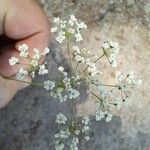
[(21, 21)]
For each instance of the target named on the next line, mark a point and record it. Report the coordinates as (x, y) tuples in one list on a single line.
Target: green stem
[(22, 81), (28, 59), (109, 85), (72, 101), (76, 68), (94, 62), (68, 49), (102, 101), (96, 96), (73, 119), (99, 58), (24, 64)]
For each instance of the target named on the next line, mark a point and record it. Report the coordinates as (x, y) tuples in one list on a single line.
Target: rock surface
[(27, 123)]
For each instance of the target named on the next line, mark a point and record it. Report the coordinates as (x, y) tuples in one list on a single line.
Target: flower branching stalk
[(94, 62), (83, 70), (27, 82), (69, 53)]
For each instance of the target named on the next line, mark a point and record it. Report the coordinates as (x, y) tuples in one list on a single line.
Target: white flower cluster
[(61, 119), (101, 114), (71, 132), (80, 56), (21, 74), (85, 127), (111, 51), (74, 144), (127, 83), (114, 97), (13, 61), (23, 50), (70, 29), (92, 69), (130, 78), (63, 89), (49, 85), (108, 98), (59, 145), (33, 62), (63, 134)]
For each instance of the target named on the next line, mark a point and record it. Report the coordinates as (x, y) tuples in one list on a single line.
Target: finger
[(8, 89), (27, 24), (25, 27)]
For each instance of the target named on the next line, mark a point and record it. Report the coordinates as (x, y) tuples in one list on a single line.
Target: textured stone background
[(27, 123)]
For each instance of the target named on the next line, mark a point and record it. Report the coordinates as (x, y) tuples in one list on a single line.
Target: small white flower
[(111, 51), (36, 55), (42, 70), (131, 75), (71, 22), (92, 69), (13, 61), (118, 104), (23, 47), (76, 49), (105, 45), (32, 74), (99, 115), (130, 78), (85, 120), (74, 144), (87, 138), (46, 50), (61, 69), (82, 25), (73, 93), (79, 58), (57, 20), (73, 18), (114, 63), (53, 30), (139, 82), (60, 38), (108, 117), (22, 73), (77, 132), (59, 145), (85, 129), (61, 119), (78, 37), (49, 85), (119, 76), (23, 50), (62, 134), (63, 25)]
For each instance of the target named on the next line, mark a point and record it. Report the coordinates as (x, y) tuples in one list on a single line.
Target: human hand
[(21, 21)]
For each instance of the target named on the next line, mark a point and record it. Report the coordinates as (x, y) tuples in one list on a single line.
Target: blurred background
[(28, 122)]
